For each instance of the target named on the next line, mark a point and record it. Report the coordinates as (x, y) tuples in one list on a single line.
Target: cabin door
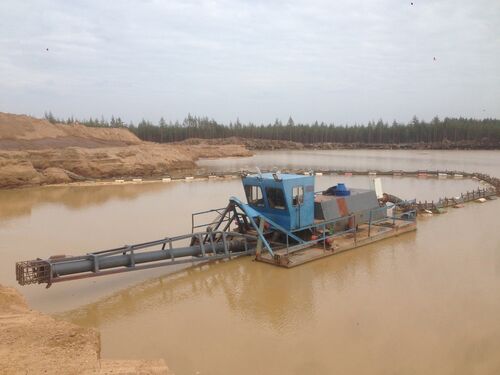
[(298, 204)]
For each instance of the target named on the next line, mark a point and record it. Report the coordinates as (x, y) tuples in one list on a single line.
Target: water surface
[(425, 302)]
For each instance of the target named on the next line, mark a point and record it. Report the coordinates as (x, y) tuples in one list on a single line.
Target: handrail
[(130, 248), (305, 244), (219, 211)]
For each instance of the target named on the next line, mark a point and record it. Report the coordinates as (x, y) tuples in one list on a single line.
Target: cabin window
[(298, 195), (254, 195), (276, 198)]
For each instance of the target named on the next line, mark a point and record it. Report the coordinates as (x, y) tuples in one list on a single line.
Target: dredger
[(285, 222)]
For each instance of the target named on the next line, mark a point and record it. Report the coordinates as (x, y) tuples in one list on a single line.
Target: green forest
[(454, 130)]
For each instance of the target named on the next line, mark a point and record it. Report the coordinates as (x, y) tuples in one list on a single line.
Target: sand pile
[(35, 343), (36, 152), (20, 132)]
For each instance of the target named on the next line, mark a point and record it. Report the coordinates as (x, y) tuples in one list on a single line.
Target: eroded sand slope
[(36, 152)]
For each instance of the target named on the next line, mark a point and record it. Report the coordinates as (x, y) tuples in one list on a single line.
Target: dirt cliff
[(36, 152), (35, 343)]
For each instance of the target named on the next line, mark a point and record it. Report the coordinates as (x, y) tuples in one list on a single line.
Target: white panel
[(377, 186)]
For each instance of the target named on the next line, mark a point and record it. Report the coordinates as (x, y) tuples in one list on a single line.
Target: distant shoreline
[(286, 145), (64, 177), (36, 152), (253, 144)]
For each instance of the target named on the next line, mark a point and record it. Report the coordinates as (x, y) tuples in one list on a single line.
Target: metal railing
[(219, 211), (45, 271), (409, 215), (468, 196)]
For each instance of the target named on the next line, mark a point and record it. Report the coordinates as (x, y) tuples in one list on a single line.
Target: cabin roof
[(282, 176)]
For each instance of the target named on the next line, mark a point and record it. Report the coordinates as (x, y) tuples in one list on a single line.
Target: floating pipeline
[(284, 223), (490, 180)]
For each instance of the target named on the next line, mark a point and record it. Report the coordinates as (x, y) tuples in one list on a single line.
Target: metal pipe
[(70, 266)]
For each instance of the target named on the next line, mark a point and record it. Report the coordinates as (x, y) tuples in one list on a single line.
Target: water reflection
[(275, 297), (21, 202), (420, 293), (77, 220)]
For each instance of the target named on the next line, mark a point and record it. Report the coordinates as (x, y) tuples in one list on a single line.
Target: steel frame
[(42, 271)]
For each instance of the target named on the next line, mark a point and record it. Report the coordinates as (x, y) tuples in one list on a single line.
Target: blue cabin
[(287, 199)]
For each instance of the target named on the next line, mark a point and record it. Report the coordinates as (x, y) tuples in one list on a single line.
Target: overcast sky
[(334, 61)]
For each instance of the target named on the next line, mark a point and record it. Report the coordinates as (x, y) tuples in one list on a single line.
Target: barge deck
[(364, 235)]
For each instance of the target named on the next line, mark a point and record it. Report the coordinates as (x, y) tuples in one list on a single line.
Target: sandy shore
[(36, 152), (56, 166), (35, 343)]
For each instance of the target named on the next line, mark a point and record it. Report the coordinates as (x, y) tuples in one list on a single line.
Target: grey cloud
[(341, 61)]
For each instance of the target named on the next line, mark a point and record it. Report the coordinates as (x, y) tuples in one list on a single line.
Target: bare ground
[(36, 152), (35, 343)]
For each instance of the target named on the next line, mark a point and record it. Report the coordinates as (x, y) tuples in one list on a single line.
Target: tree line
[(454, 130)]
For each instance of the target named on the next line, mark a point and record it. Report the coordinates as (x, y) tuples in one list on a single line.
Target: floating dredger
[(285, 222)]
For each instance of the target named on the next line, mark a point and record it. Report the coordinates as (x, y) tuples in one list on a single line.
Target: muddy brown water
[(426, 302)]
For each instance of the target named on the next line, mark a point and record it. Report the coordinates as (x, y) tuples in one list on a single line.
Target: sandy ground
[(35, 343), (36, 152)]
